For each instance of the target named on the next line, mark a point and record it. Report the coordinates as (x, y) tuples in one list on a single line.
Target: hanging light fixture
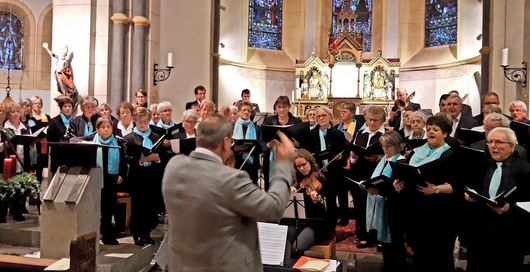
[(8, 98)]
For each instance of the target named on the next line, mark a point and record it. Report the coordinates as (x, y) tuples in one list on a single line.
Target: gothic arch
[(44, 35)]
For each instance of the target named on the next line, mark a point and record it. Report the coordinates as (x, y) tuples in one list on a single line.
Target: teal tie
[(495, 180)]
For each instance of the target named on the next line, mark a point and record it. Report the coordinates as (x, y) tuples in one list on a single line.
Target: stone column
[(141, 24), (119, 41)]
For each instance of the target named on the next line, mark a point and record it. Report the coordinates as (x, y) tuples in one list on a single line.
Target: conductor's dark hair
[(443, 97), (212, 131), (245, 91), (66, 100), (200, 87), (441, 122), (282, 99)]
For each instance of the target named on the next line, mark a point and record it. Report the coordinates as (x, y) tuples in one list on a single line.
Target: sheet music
[(175, 145), (289, 210), (272, 240), (524, 205)]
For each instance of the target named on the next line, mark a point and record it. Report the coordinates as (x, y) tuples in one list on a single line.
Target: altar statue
[(314, 85), (304, 94), (63, 73)]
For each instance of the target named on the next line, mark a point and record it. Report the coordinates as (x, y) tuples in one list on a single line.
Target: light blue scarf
[(377, 216), (311, 127), (88, 129), (323, 134), (147, 143), (66, 121), (249, 135), (164, 126), (151, 123), (114, 154), (424, 154)]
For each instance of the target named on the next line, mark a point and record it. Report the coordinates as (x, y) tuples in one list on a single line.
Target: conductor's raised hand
[(285, 148)]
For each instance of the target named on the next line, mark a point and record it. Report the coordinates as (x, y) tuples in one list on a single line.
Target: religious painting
[(379, 79), (11, 41), (265, 24), (314, 84), (441, 20), (363, 19)]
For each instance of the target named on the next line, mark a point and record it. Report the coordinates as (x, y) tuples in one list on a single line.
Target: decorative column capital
[(141, 21), (120, 18)]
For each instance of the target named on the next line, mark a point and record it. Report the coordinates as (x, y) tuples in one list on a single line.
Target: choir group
[(418, 181)]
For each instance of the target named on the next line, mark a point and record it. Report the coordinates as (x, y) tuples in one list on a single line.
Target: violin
[(311, 183)]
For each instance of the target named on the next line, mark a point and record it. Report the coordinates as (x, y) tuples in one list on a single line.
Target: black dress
[(145, 186), (56, 133)]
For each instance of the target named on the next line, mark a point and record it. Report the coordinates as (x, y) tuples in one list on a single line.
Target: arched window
[(265, 24), (441, 19), (363, 12)]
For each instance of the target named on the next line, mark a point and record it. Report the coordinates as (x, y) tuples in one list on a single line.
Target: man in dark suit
[(454, 108), (489, 98), (395, 119), (502, 227), (466, 109), (213, 209), (200, 95)]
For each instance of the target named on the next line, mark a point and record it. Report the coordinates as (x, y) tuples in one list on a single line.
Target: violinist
[(327, 138), (402, 104), (308, 177)]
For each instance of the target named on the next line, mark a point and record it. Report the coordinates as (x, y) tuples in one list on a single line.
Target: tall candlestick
[(8, 166), (504, 57), (170, 59)]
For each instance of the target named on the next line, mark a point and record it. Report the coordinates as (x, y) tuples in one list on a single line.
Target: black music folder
[(497, 201), (414, 143), (147, 151), (522, 131), (183, 146), (471, 154), (27, 139), (298, 132), (470, 136), (170, 133), (376, 182), (411, 175), (243, 145), (374, 149)]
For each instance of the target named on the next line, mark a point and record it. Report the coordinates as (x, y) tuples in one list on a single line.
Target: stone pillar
[(119, 41), (141, 24)]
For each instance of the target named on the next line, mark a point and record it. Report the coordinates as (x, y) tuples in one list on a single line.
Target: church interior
[(315, 52)]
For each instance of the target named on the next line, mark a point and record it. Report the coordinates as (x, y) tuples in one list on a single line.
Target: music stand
[(293, 209), (259, 117)]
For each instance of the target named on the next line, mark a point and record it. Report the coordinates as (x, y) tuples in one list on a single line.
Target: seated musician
[(114, 172), (382, 211), (312, 231), (83, 125), (496, 234), (494, 120), (245, 129)]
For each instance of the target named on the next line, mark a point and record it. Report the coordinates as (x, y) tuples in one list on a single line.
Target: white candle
[(170, 59), (293, 95), (504, 57)]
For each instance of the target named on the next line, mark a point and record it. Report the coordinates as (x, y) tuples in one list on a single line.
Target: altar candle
[(334, 44), (8, 166), (504, 57), (170, 59), (14, 165)]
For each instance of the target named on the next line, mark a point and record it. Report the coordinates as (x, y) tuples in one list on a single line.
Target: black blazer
[(397, 118), (188, 105), (79, 123), (466, 122)]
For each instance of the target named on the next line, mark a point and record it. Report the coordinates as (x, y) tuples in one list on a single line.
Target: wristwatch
[(437, 191)]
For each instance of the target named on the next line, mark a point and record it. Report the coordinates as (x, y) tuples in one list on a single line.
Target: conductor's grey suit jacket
[(212, 211)]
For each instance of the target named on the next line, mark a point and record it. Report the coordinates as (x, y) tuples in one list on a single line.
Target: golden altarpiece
[(345, 76)]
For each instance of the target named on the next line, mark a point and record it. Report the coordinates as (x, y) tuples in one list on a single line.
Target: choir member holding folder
[(382, 209), (41, 120), (84, 124), (362, 165), (244, 129), (430, 206), (327, 138), (145, 175), (496, 232), (58, 131)]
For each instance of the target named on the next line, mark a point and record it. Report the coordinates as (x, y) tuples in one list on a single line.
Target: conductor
[(213, 209)]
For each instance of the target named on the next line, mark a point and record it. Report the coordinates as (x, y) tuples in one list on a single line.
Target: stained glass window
[(441, 19), (363, 11), (265, 24), (11, 40)]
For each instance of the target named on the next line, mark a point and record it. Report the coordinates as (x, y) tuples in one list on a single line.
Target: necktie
[(495, 180)]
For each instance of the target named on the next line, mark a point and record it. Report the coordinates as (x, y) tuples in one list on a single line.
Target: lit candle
[(504, 57), (170, 59), (334, 44), (8, 165)]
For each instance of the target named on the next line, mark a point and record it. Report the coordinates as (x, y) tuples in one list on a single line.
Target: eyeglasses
[(491, 103), (497, 143), (189, 122), (303, 165), (322, 116), (516, 110)]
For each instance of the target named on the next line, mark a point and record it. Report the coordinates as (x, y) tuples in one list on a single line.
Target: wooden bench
[(327, 247), (18, 263)]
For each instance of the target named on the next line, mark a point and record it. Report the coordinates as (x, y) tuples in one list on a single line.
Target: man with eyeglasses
[(501, 227), (489, 98), (312, 118), (141, 99), (518, 111), (494, 120)]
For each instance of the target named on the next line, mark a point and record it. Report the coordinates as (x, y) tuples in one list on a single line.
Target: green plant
[(21, 185)]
